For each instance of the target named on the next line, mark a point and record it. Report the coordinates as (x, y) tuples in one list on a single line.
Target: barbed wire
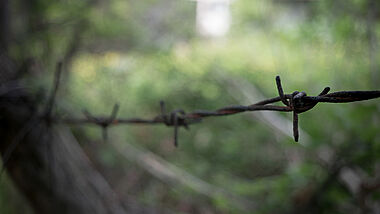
[(296, 102)]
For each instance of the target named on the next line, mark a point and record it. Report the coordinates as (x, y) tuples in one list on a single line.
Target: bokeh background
[(208, 54)]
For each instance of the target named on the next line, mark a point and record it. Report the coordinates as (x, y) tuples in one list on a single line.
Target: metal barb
[(114, 113), (280, 91), (295, 126), (325, 91), (104, 123), (175, 121)]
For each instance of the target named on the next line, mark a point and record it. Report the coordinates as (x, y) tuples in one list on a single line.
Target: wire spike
[(175, 118), (325, 91), (281, 91), (114, 113), (295, 126)]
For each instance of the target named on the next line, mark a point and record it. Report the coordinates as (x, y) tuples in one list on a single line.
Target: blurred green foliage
[(137, 53)]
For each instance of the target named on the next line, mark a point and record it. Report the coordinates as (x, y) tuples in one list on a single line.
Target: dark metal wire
[(297, 102)]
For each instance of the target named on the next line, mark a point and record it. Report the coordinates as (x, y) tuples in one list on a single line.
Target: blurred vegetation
[(137, 53)]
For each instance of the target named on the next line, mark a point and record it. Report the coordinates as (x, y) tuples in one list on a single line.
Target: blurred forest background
[(208, 54)]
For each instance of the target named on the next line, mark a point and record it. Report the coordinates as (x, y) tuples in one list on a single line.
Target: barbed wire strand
[(297, 102)]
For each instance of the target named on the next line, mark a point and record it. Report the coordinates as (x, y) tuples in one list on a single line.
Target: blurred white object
[(213, 17)]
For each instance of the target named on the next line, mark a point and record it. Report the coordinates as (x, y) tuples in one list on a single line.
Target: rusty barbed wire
[(296, 102)]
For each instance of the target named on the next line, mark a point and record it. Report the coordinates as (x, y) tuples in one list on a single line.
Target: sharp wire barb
[(175, 120), (114, 112), (325, 91), (281, 91), (295, 126), (104, 123)]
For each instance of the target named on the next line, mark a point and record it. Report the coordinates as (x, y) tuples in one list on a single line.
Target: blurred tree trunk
[(4, 24), (46, 163)]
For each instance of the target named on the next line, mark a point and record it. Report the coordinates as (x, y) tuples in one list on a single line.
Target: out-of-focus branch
[(172, 174)]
